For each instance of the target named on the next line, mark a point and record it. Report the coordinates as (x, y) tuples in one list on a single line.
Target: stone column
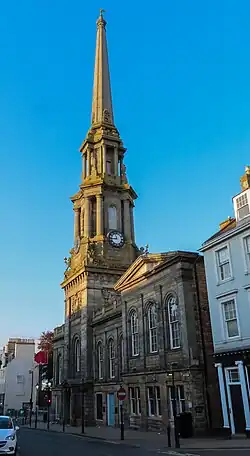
[(132, 223), (126, 222), (223, 398), (115, 161), (82, 221), (244, 393), (99, 215), (121, 163), (88, 163), (77, 222), (104, 158), (86, 217), (85, 166)]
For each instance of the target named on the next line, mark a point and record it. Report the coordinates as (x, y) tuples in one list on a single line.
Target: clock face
[(77, 245), (116, 239)]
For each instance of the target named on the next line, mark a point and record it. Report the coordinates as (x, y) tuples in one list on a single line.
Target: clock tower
[(104, 241)]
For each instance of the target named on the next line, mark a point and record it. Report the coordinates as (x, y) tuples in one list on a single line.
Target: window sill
[(231, 339), (135, 356), (155, 417), (221, 282)]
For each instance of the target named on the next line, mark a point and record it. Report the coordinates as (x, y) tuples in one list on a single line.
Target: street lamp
[(31, 372)]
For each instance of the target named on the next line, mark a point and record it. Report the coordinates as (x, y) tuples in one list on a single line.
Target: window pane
[(232, 328), (109, 167), (112, 216), (222, 255), (229, 308), (225, 271), (233, 375), (134, 334)]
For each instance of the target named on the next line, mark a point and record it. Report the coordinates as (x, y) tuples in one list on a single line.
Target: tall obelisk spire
[(102, 110)]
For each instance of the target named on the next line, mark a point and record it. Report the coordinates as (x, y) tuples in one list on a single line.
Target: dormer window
[(242, 206)]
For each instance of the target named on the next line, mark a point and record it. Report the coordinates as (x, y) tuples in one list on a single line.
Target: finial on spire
[(101, 21)]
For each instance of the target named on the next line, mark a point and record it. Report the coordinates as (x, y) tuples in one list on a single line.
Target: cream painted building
[(19, 375)]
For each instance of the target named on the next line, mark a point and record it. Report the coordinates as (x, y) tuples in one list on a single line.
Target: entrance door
[(111, 409), (237, 414), (237, 409)]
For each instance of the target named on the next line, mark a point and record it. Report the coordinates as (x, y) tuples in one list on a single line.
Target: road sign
[(121, 394)]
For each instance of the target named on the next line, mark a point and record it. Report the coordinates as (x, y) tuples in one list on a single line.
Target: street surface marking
[(175, 453)]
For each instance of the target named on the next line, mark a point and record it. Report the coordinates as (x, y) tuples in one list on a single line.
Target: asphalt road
[(41, 443)]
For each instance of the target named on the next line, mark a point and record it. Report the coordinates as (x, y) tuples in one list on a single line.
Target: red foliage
[(46, 341)]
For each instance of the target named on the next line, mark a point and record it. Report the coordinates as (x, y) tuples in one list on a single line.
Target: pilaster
[(219, 368), (77, 222), (86, 217), (244, 392), (127, 222), (104, 159), (99, 215)]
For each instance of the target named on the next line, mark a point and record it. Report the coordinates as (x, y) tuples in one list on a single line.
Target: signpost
[(121, 394)]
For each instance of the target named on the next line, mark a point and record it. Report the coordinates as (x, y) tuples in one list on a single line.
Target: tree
[(46, 341), (46, 345)]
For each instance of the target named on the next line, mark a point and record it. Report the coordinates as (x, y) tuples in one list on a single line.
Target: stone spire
[(102, 110)]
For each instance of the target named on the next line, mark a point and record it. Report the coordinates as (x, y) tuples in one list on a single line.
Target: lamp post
[(37, 402), (49, 403), (83, 411), (31, 372)]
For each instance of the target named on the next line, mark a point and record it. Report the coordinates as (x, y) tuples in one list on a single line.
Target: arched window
[(152, 328), (112, 218), (77, 355), (174, 323), (111, 350), (121, 353), (100, 360), (134, 333)]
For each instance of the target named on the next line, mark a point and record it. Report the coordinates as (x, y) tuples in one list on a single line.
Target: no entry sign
[(121, 394)]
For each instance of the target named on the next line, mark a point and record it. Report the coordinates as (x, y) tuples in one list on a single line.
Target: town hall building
[(132, 318)]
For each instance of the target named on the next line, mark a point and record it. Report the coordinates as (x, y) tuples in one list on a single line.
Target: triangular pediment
[(139, 270)]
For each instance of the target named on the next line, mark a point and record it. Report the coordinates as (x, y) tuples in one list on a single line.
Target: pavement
[(148, 440), (41, 442)]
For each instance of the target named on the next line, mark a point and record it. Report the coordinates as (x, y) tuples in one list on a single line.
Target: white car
[(8, 438)]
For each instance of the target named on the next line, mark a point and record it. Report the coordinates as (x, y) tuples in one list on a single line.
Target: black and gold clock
[(116, 239)]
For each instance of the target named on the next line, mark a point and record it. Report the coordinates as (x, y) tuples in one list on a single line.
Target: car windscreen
[(6, 423)]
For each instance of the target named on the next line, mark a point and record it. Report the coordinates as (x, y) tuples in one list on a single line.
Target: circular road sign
[(121, 394)]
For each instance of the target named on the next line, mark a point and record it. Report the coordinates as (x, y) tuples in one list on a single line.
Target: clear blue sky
[(181, 89)]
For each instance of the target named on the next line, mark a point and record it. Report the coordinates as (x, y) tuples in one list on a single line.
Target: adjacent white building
[(227, 263), (18, 378)]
